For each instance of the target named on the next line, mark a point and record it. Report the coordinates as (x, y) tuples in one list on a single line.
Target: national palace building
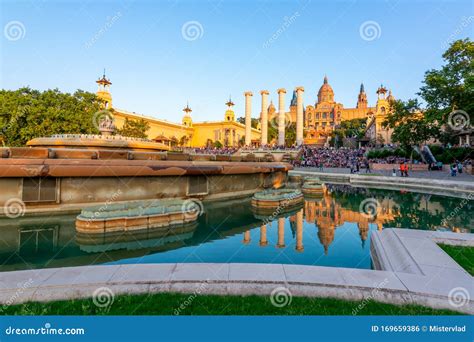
[(319, 120)]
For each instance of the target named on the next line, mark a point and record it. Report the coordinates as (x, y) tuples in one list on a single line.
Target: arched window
[(382, 110)]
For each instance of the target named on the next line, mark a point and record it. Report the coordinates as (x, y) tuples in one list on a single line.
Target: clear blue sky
[(155, 70)]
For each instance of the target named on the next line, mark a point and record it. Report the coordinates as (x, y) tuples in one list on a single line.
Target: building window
[(39, 190), (331, 115), (325, 115)]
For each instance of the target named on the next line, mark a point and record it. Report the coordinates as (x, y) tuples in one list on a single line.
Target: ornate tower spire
[(362, 98), (187, 120), (325, 79), (103, 92), (229, 113)]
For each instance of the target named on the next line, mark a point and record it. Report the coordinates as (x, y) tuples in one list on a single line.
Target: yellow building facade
[(227, 132)]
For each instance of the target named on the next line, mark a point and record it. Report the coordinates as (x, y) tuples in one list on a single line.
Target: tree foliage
[(26, 114), (450, 88), (135, 128)]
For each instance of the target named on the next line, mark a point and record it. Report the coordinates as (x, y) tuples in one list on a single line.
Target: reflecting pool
[(328, 230)]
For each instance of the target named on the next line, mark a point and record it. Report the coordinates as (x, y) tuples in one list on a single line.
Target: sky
[(160, 55)]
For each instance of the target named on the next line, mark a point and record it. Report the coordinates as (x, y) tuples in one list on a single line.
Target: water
[(333, 230)]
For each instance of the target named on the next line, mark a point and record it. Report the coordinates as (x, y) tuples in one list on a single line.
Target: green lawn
[(464, 256), (192, 304)]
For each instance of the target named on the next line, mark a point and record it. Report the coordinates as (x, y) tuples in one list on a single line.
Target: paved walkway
[(413, 174)]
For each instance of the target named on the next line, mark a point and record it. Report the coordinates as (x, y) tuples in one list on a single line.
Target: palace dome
[(325, 93)]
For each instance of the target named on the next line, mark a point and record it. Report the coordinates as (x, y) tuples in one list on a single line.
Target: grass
[(464, 256), (195, 304)]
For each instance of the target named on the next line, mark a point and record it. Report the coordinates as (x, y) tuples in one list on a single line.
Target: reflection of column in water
[(299, 231), (246, 237), (281, 233), (263, 235)]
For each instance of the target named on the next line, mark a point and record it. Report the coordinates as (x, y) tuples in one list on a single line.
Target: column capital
[(299, 89), (248, 93), (262, 92), (281, 90)]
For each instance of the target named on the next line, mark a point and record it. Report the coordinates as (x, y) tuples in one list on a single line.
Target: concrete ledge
[(430, 186), (236, 279)]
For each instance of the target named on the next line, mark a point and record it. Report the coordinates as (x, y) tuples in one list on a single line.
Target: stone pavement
[(412, 174)]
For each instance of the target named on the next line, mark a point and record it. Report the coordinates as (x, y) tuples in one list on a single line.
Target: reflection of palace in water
[(40, 242), (327, 214)]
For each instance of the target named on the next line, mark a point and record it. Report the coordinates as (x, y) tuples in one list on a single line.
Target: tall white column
[(248, 118), (264, 118), (299, 115), (281, 116)]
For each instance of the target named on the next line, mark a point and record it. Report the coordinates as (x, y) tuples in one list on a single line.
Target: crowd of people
[(330, 157)]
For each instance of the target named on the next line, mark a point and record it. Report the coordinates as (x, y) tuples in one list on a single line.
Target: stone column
[(281, 233), (299, 116), (263, 235), (264, 117), (248, 118), (281, 116), (299, 231), (246, 237)]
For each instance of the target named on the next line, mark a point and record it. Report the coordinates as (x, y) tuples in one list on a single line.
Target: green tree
[(134, 128), (27, 113), (253, 122), (451, 87), (410, 126)]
